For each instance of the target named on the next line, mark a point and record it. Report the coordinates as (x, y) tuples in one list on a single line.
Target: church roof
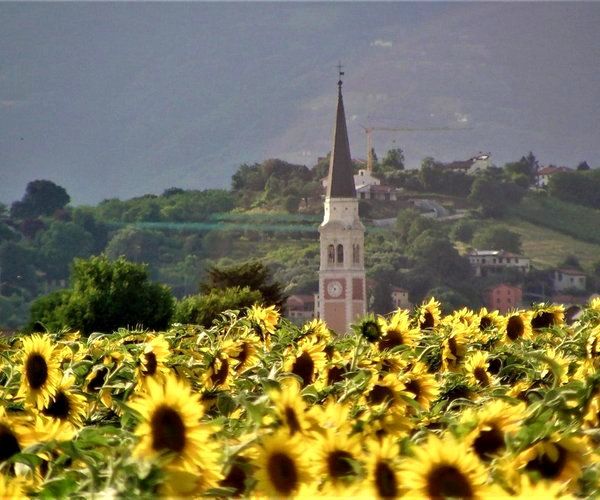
[(340, 181)]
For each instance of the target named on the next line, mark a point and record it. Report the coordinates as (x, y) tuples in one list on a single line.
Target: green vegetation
[(577, 221), (105, 296)]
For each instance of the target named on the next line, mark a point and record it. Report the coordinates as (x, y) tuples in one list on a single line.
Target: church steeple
[(340, 180), (342, 282)]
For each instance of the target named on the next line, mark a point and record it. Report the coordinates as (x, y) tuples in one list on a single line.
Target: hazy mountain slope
[(111, 99)]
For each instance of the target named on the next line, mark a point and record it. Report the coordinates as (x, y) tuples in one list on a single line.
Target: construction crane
[(369, 130)]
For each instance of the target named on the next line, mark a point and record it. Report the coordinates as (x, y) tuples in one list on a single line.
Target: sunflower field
[(416, 404)]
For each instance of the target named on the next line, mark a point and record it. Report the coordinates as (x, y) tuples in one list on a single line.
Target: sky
[(123, 99)]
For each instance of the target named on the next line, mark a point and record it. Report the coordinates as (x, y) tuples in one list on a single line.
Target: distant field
[(548, 248)]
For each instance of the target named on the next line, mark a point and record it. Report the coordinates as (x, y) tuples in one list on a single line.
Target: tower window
[(340, 254), (330, 254), (356, 253)]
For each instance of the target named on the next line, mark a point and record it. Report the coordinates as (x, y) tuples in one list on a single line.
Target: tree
[(583, 165), (463, 230), (526, 167), (393, 160), (136, 245), (204, 309), (494, 197), (60, 244), (497, 238), (41, 197), (104, 296), (252, 274)]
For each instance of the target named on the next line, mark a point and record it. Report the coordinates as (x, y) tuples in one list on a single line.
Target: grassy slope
[(548, 248)]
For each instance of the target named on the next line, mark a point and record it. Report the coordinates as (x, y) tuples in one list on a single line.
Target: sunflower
[(384, 391), (94, 383), (40, 371), (517, 325), (282, 465), (369, 328), (336, 458), (330, 417), (219, 371), (318, 329), (443, 468), (476, 368), (546, 316), (264, 320), (290, 407), (591, 419), (593, 345), (420, 385), (306, 360), (397, 331), (12, 487), (454, 347), (383, 469), (151, 363), (556, 458), (245, 355), (494, 422), (487, 320), (464, 315), (15, 434), (542, 490), (171, 427), (67, 406), (428, 315)]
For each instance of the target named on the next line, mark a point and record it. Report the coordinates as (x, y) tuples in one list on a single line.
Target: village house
[(544, 174), (400, 298), (471, 166), (503, 297), (568, 279), (489, 262), (300, 308)]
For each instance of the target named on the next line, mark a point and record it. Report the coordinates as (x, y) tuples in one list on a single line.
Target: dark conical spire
[(340, 181)]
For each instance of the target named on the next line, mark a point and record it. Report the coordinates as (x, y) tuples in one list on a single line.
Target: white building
[(568, 279), (486, 262)]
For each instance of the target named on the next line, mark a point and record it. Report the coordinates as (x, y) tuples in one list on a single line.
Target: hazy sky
[(122, 99)]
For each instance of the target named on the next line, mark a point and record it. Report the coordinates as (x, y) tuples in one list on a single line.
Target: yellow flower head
[(40, 371)]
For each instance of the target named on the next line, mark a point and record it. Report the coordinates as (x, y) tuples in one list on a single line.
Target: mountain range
[(122, 99)]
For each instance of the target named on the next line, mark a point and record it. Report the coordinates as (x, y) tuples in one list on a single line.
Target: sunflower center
[(448, 481), (515, 328), (282, 473), (543, 319), (428, 321), (36, 370), (335, 374), (168, 430), (548, 468), (304, 367), (488, 443), (9, 445), (385, 481), (292, 420), (390, 340), (413, 387), (242, 357), (219, 376), (97, 380), (59, 408), (235, 479), (379, 394), (481, 376), (453, 347), (151, 363), (485, 323), (338, 464)]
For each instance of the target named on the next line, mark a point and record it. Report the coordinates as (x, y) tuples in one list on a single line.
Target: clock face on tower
[(334, 288)]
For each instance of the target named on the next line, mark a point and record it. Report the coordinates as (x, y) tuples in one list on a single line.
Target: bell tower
[(342, 288)]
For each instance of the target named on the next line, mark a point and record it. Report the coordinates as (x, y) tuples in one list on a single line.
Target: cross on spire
[(340, 74)]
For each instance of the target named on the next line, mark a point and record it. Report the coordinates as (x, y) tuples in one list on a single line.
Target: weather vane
[(340, 73)]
